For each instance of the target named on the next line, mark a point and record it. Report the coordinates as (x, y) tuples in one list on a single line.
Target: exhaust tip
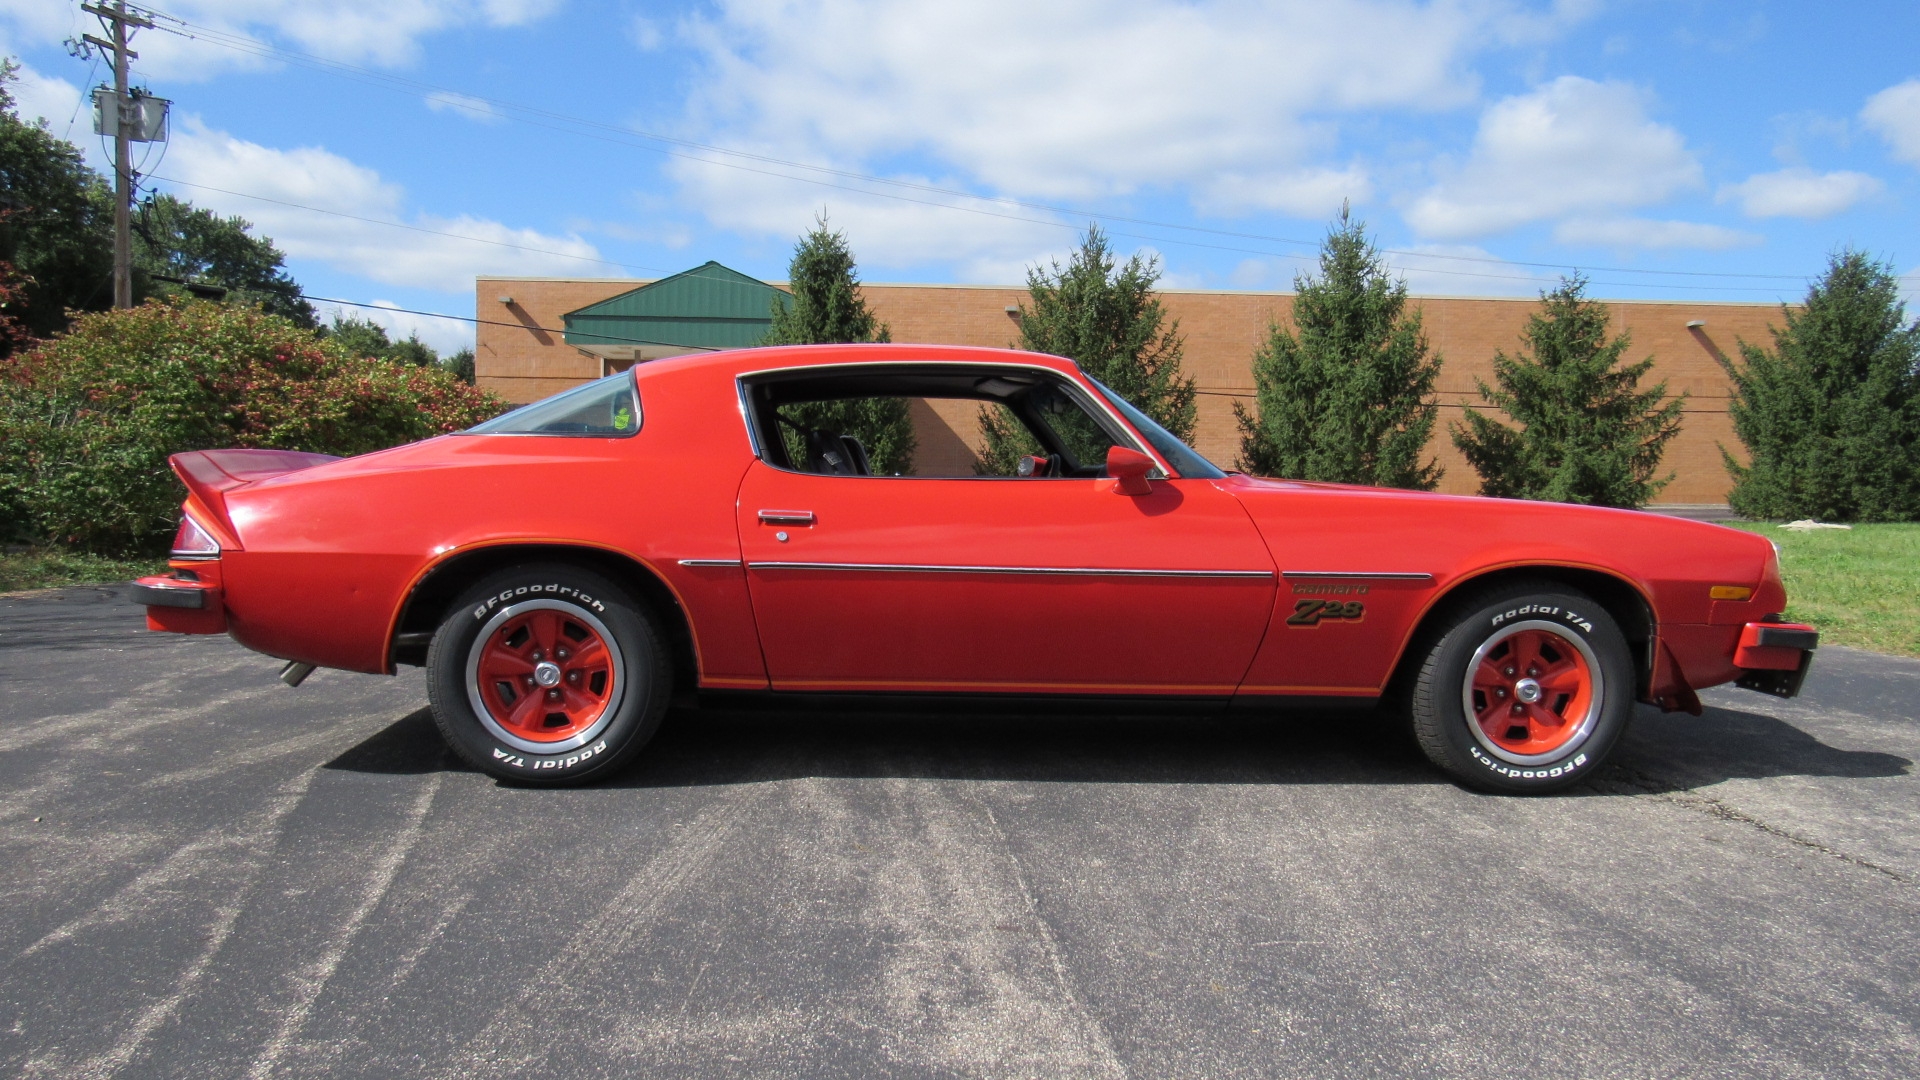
[(295, 673)]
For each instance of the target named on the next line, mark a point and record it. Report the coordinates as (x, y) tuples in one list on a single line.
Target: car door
[(992, 584)]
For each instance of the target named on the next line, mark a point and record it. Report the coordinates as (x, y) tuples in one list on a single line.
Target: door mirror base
[(1129, 469)]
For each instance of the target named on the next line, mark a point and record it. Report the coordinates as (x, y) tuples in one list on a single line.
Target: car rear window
[(604, 408)]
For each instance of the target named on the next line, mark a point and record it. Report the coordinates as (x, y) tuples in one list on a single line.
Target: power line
[(412, 228), (662, 270), (625, 136)]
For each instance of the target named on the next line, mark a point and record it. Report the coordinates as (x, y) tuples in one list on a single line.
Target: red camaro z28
[(716, 523)]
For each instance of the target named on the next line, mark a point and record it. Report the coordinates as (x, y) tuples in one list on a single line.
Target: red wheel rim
[(1531, 692), (545, 676)]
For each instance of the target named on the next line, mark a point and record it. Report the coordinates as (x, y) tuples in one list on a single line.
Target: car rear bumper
[(181, 606), (1774, 658)]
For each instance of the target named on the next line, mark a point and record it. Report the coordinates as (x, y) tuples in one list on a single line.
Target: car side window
[(604, 408), (935, 423)]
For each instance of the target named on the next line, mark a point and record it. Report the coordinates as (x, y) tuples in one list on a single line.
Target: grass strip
[(50, 568), (1858, 586)]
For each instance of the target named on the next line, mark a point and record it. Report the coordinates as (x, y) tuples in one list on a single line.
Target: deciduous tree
[(58, 225), (174, 239)]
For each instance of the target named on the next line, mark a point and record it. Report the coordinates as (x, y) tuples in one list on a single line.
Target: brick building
[(538, 336)]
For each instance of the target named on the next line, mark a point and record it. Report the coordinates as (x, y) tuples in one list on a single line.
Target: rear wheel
[(1526, 691), (548, 674)]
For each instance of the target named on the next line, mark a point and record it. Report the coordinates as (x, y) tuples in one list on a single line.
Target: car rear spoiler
[(210, 474)]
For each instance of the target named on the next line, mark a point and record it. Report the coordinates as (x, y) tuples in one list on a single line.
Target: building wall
[(1222, 329)]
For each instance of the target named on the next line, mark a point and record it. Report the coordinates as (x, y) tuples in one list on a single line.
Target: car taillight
[(194, 542)]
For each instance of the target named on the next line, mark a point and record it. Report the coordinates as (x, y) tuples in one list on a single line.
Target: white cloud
[(1628, 232), (1571, 148), (1799, 192), (1083, 98), (1306, 192), (68, 115), (446, 336), (38, 96), (204, 160), (1894, 115), (991, 244), (1466, 270), (472, 108), (645, 33), (385, 32)]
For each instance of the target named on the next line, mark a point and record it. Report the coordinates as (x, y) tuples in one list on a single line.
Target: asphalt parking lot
[(208, 874)]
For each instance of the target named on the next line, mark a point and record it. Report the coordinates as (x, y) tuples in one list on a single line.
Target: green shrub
[(88, 420)]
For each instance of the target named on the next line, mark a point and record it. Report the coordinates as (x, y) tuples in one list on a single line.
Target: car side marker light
[(1730, 592)]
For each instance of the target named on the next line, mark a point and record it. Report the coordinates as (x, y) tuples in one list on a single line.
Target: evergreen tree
[(827, 308), (1587, 433), (1105, 316), (174, 239), (1831, 415), (1349, 398), (461, 364)]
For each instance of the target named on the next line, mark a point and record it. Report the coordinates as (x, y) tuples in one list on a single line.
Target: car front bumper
[(1774, 658)]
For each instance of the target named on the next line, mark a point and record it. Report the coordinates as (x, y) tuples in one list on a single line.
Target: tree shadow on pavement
[(718, 747)]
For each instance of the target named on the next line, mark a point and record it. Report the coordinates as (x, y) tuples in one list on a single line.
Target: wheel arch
[(1626, 602), (434, 592)]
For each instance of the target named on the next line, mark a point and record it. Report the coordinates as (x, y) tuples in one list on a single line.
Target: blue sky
[(1679, 149)]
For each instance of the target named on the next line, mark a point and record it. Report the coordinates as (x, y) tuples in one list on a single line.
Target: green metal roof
[(708, 306)]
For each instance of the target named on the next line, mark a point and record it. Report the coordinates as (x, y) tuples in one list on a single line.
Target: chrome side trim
[(1355, 575), (710, 562), (746, 417), (1061, 571)]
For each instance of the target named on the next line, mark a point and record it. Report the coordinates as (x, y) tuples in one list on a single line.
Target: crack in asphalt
[(1644, 786)]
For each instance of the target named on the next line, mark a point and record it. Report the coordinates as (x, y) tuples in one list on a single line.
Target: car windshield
[(605, 408), (1185, 459)]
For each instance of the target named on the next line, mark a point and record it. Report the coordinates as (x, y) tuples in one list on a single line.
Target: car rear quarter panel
[(1670, 562), (331, 554)]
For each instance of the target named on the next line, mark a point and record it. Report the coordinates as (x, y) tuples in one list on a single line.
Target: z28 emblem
[(1310, 612)]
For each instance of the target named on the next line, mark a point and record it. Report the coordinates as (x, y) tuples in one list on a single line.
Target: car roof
[(779, 357)]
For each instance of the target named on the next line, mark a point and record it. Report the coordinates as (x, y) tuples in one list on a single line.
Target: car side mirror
[(1129, 469)]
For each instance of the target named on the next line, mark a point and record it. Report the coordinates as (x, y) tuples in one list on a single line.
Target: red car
[(717, 523)]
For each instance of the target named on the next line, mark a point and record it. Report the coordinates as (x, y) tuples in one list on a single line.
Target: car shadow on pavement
[(716, 747), (410, 745), (1674, 752)]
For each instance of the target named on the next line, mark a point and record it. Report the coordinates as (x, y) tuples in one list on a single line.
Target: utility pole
[(117, 19)]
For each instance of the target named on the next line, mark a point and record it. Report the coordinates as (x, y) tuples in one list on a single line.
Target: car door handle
[(786, 517)]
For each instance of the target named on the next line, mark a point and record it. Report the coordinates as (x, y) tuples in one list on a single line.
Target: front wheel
[(548, 674), (1526, 691)]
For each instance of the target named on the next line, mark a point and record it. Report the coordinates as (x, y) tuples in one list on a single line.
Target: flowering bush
[(88, 419)]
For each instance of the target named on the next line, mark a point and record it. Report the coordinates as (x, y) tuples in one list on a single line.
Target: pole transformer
[(117, 20)]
